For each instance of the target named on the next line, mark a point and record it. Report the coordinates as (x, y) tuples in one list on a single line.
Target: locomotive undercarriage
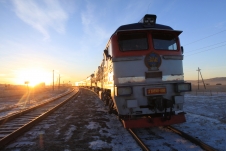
[(162, 104), (105, 96), (155, 103), (163, 112)]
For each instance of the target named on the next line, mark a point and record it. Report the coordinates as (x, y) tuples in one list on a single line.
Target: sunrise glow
[(33, 75)]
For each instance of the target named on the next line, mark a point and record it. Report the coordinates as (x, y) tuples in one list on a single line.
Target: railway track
[(192, 139), (28, 109), (146, 147), (15, 125), (188, 137)]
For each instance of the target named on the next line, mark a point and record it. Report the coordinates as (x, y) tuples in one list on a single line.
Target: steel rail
[(138, 140), (192, 139), (19, 113), (12, 136)]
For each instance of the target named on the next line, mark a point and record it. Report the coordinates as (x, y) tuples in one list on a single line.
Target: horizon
[(56, 83)]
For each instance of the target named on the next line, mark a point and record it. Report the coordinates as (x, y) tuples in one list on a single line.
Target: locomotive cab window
[(163, 41), (137, 41)]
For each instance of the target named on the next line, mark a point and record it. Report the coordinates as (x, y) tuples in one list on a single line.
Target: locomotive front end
[(148, 74)]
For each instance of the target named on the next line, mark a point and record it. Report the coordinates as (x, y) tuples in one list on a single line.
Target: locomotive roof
[(139, 26)]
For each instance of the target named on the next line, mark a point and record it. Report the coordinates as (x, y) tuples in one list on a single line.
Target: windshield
[(136, 41), (164, 41)]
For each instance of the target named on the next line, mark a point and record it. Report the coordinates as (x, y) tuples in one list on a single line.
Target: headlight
[(124, 91), (148, 20), (183, 87)]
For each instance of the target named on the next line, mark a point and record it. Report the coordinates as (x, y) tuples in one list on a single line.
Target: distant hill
[(212, 81), (217, 79)]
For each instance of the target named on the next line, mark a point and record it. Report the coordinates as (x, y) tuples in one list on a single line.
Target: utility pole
[(53, 80)]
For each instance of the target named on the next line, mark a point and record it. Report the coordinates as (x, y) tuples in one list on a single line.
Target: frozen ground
[(12, 103), (206, 120)]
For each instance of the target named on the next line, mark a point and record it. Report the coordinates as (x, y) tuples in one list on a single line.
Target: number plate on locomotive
[(155, 91)]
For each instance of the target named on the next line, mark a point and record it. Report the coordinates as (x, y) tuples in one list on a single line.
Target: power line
[(205, 47), (206, 50), (204, 38)]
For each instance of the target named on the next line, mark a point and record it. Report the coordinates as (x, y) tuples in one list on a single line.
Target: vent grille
[(153, 74)]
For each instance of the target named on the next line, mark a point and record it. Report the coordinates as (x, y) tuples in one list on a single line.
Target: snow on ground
[(121, 139), (206, 118), (12, 104), (69, 133), (206, 114), (162, 139)]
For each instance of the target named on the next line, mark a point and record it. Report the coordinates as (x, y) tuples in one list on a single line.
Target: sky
[(69, 36)]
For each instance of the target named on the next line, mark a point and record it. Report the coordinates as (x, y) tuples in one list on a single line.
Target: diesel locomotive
[(141, 76)]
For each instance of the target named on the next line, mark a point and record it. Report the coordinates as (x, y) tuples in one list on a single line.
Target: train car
[(81, 83), (141, 75)]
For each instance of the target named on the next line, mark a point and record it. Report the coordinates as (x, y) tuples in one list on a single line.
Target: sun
[(33, 76)]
